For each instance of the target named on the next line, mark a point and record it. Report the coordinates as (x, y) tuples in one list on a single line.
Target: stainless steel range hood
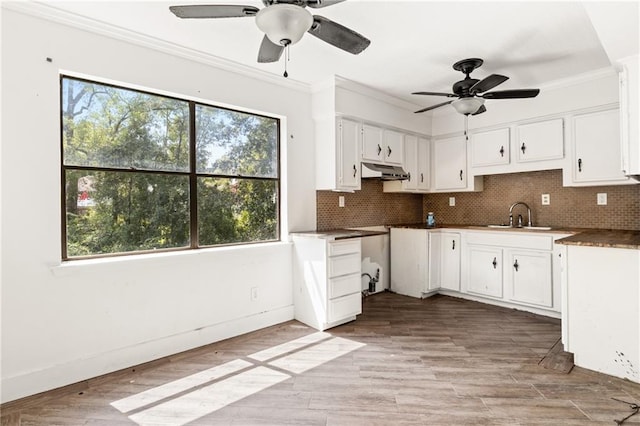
[(384, 172)]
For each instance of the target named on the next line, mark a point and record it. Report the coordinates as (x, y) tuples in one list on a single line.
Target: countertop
[(611, 238), (340, 234)]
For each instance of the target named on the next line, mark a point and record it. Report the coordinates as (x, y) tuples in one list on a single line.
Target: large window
[(145, 172)]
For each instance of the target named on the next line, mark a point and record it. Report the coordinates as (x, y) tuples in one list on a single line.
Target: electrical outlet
[(546, 200), (452, 201), (254, 293), (341, 201), (602, 198)]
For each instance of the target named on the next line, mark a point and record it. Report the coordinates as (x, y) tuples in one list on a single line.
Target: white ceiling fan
[(284, 22)]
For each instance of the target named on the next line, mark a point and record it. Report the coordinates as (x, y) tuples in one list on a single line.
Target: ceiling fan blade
[(488, 83), (317, 4), (512, 94), (205, 11), (433, 107), (480, 110), (451, 95), (338, 35), (269, 51)]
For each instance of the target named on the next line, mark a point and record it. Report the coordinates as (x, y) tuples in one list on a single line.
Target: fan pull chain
[(287, 57), (466, 127)]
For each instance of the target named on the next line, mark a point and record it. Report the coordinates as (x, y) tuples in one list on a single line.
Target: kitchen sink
[(529, 228)]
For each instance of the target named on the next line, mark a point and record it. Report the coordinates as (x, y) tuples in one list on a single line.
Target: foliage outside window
[(144, 172)]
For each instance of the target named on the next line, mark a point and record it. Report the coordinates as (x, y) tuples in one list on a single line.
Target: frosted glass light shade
[(467, 106), (284, 24)]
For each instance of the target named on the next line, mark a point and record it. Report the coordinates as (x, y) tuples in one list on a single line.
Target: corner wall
[(65, 323)]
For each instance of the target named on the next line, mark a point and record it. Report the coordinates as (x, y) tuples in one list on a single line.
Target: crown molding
[(368, 91), (579, 79), (51, 13)]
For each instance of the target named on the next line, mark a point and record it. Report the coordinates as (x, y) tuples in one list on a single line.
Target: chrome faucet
[(519, 216)]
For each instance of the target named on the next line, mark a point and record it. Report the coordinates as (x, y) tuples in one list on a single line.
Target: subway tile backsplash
[(570, 207)]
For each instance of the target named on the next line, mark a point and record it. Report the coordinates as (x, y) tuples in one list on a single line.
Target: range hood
[(384, 172)]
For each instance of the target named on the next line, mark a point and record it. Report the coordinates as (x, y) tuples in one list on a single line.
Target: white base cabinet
[(409, 261), (601, 324), (327, 284), (516, 269)]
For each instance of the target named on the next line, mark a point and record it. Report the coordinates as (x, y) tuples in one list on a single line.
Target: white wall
[(62, 324)]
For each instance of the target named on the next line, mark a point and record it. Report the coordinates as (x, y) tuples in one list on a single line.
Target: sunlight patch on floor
[(189, 398)]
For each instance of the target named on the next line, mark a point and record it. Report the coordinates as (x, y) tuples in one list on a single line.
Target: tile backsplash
[(367, 207), (569, 207)]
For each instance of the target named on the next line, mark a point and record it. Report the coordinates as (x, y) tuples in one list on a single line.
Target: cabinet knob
[(501, 151), (388, 151), (453, 245), (460, 174), (409, 176), (355, 170), (495, 263), (421, 177), (379, 149), (579, 164), (523, 148), (516, 266)]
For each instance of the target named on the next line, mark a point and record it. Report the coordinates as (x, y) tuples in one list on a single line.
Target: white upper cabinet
[(629, 87), (490, 148), (348, 137), (416, 154), (543, 140), (372, 143), (411, 162), (393, 146), (596, 148), (423, 179), (450, 163)]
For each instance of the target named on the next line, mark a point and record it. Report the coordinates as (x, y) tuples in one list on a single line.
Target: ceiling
[(413, 43)]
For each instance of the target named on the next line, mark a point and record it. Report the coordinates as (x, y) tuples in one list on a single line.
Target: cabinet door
[(484, 270), (450, 163), (423, 174), (435, 253), (490, 148), (540, 141), (596, 141), (411, 162), (450, 263), (393, 147), (530, 277), (372, 143), (408, 252), (348, 155)]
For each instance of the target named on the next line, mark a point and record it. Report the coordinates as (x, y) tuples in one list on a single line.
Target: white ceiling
[(413, 43)]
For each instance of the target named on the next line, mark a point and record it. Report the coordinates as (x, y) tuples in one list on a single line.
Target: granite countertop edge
[(611, 238)]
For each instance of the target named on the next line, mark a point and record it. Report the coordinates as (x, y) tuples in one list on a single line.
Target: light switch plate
[(602, 198), (452, 201), (546, 200), (341, 201)]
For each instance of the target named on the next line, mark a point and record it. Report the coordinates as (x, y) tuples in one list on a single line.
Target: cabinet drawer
[(344, 307), (338, 248), (344, 265), (344, 285)]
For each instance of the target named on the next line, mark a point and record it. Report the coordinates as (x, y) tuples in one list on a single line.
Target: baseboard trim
[(75, 375)]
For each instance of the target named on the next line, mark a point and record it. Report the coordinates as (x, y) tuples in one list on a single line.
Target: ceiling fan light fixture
[(283, 23), (467, 106)]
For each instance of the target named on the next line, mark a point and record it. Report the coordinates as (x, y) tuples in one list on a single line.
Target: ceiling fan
[(471, 92), (284, 22)]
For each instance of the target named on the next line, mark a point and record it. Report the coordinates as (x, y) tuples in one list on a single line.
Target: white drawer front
[(344, 285), (506, 239), (344, 307), (338, 248), (344, 265)]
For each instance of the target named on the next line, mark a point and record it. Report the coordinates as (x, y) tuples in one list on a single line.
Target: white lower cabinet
[(530, 277), (508, 268), (327, 284), (409, 261), (484, 273)]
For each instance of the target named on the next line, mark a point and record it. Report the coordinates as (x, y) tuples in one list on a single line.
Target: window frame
[(192, 175)]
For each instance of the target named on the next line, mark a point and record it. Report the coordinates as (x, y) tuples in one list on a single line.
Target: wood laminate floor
[(404, 361)]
